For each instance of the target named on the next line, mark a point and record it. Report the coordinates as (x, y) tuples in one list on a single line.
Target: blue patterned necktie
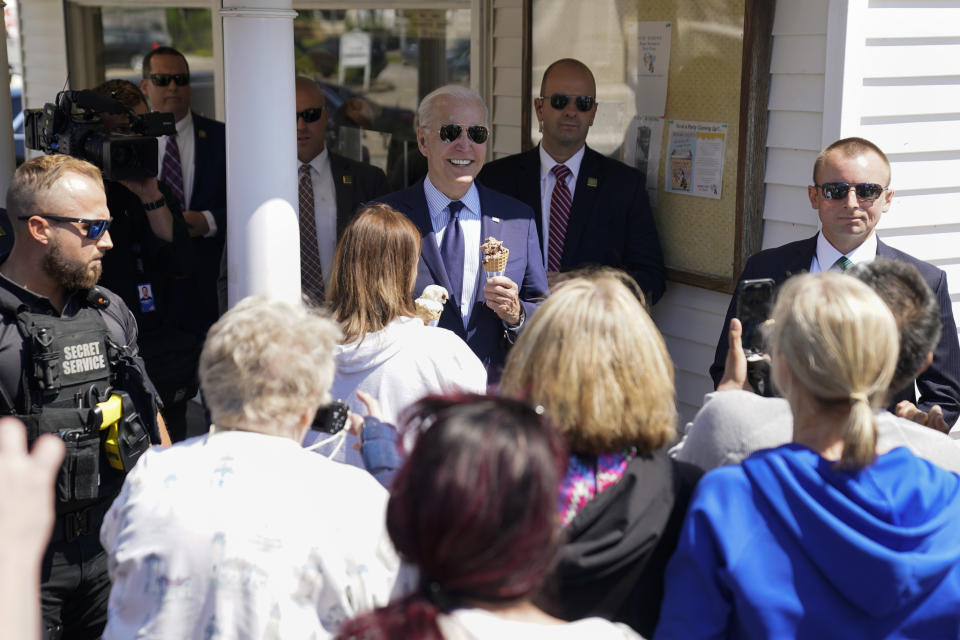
[(451, 250)]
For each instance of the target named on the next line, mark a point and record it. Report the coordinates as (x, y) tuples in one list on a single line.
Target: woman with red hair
[(474, 508)]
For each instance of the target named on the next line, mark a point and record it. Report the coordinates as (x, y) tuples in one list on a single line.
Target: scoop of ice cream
[(435, 293), (491, 247), (428, 310), (495, 256)]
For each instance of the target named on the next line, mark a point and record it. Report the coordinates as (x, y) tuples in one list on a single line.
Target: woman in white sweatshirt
[(387, 351)]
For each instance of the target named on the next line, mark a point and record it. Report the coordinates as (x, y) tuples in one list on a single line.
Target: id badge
[(145, 291)]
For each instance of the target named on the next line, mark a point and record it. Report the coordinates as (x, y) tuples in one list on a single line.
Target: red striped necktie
[(311, 272), (560, 203)]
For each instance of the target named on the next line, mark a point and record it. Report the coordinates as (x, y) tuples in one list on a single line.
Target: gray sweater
[(733, 424)]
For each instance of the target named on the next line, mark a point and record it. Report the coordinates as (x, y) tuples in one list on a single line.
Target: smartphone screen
[(754, 304)]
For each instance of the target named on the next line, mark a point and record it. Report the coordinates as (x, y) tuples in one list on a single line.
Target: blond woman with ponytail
[(835, 349), (825, 536)]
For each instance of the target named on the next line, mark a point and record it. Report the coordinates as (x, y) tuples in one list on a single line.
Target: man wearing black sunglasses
[(56, 362), (193, 164), (455, 215), (850, 192), (331, 186), (590, 209)]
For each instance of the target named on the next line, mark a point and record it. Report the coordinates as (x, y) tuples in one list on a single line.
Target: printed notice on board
[(695, 152), (653, 51), (641, 150)]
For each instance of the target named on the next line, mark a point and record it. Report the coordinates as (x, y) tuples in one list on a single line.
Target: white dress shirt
[(470, 218), (548, 181), (827, 254), (325, 209), (187, 164)]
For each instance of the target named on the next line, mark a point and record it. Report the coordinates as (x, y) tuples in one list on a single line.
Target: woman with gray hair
[(829, 536), (216, 536)]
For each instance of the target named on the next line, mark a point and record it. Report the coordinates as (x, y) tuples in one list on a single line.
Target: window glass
[(128, 34), (374, 65), (702, 85), (12, 24)]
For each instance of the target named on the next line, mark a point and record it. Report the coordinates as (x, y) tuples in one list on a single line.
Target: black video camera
[(72, 125)]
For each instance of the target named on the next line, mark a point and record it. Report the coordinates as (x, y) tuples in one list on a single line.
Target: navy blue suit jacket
[(210, 170), (209, 194), (939, 384), (505, 219), (354, 184), (610, 219)]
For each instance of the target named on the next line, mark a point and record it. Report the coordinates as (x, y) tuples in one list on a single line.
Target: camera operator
[(152, 267), (65, 346)]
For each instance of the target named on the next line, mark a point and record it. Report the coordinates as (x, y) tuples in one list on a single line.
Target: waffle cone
[(497, 262)]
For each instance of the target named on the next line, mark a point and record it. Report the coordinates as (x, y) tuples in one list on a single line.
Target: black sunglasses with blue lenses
[(310, 115), (839, 190), (476, 133), (95, 228), (559, 101), (163, 79)]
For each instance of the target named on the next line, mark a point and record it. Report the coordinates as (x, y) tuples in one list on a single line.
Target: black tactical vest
[(71, 364)]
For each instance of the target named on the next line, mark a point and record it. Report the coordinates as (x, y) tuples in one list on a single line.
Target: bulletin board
[(718, 75)]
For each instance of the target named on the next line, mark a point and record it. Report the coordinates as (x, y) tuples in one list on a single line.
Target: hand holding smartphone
[(754, 304)]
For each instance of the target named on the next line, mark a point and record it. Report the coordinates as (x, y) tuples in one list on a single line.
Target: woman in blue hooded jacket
[(825, 536)]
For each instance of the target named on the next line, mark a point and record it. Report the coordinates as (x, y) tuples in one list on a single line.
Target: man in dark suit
[(850, 192), (331, 186), (193, 164), (590, 209), (455, 215)]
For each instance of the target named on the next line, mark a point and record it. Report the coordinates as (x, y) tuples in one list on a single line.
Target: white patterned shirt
[(245, 535)]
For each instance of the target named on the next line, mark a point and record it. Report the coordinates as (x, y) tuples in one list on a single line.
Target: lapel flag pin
[(347, 179), (202, 133), (591, 182)]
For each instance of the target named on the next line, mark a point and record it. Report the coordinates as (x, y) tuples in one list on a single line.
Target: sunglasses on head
[(476, 133), (310, 115), (95, 228), (839, 190), (560, 101), (163, 79)]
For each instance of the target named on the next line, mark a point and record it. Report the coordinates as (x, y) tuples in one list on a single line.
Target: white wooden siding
[(507, 74), (690, 320), (908, 91), (44, 45)]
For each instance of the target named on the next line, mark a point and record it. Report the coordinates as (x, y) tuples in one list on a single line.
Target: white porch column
[(263, 246)]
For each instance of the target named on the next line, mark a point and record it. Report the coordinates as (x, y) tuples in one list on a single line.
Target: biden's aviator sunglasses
[(477, 133)]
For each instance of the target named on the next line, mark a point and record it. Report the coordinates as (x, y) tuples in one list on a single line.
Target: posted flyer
[(695, 152), (653, 52), (641, 150)]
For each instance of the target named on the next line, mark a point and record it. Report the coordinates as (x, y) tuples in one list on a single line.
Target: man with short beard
[(65, 347)]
